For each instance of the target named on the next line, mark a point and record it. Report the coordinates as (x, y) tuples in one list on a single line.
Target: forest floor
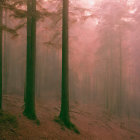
[(93, 123)]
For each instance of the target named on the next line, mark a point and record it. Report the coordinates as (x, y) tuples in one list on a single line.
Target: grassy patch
[(7, 119)]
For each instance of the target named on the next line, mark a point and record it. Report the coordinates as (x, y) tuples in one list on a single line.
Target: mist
[(101, 76)]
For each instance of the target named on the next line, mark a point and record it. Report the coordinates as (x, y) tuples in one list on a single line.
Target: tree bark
[(5, 58), (64, 114), (120, 98), (31, 61), (1, 17)]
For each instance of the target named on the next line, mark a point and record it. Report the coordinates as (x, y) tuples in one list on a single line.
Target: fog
[(104, 54), (77, 57)]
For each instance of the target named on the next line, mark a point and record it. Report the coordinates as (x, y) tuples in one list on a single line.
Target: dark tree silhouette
[(64, 114), (1, 15), (5, 58), (31, 56)]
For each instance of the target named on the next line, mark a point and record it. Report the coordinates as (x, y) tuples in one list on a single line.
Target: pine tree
[(64, 114), (1, 17), (31, 60)]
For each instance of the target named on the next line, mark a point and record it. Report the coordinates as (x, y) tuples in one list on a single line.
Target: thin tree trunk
[(120, 92), (64, 114), (1, 17), (5, 57), (31, 56)]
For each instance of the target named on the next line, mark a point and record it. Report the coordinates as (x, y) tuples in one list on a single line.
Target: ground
[(93, 123)]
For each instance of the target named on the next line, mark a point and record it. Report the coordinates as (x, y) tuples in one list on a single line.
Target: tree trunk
[(120, 93), (5, 58), (1, 17), (31, 56), (64, 114), (120, 102)]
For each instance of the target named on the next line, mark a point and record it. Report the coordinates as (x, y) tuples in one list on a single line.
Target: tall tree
[(64, 114), (1, 17), (31, 60), (5, 61)]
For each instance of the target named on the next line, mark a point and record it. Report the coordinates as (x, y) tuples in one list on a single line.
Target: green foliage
[(8, 119)]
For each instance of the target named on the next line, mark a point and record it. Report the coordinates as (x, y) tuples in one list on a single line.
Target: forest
[(69, 70)]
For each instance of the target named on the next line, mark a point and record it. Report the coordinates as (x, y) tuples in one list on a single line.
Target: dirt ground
[(92, 122)]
